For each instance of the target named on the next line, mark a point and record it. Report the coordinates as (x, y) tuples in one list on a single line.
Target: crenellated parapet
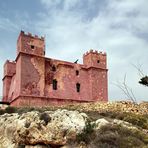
[(32, 36), (10, 61), (91, 51)]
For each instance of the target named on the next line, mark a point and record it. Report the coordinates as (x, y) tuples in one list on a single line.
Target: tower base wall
[(31, 101)]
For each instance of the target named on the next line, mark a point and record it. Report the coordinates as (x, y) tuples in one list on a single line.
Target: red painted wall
[(65, 75), (30, 80), (9, 71)]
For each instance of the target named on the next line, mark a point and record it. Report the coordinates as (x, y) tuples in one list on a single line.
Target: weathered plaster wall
[(12, 89), (15, 84), (41, 101), (99, 84), (32, 75), (39, 65), (66, 77), (6, 87)]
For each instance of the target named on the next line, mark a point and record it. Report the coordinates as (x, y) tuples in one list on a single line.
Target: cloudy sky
[(71, 27)]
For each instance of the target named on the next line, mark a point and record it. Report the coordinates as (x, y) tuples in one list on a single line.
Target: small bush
[(21, 146), (10, 110), (45, 117), (138, 120), (22, 110), (102, 145), (117, 136), (110, 138), (87, 132), (2, 111)]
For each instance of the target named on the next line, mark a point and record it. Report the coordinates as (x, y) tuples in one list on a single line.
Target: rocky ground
[(93, 125)]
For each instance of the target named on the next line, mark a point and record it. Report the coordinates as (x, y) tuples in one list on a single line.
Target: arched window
[(78, 87), (54, 84)]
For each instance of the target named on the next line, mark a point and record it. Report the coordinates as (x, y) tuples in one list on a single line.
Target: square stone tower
[(97, 69)]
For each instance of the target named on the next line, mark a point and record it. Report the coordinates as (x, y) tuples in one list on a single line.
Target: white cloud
[(115, 28)]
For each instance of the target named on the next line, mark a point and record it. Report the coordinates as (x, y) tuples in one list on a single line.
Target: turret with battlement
[(9, 71), (27, 43), (9, 68), (95, 59)]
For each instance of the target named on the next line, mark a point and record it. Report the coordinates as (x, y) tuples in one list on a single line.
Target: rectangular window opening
[(77, 72), (32, 46), (54, 84), (78, 87)]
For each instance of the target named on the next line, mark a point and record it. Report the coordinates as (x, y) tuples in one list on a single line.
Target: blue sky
[(71, 27)]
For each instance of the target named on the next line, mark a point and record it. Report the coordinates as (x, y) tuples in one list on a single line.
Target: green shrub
[(22, 110), (109, 137), (2, 111), (109, 114), (117, 136), (138, 120), (87, 132), (10, 110), (45, 117), (21, 146)]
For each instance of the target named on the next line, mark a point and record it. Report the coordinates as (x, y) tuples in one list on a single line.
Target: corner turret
[(95, 59), (27, 43), (9, 71)]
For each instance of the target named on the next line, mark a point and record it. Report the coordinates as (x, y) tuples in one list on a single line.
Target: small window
[(53, 68), (54, 84), (98, 61), (77, 72), (78, 87), (32, 46)]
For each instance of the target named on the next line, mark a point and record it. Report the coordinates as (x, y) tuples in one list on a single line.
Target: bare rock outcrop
[(35, 128), (67, 129)]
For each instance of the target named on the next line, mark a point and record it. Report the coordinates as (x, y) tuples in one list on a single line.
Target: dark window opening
[(77, 72), (53, 68), (98, 61), (54, 85), (32, 46), (78, 87)]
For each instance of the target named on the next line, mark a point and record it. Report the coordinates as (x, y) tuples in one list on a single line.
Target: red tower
[(35, 80), (97, 69)]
